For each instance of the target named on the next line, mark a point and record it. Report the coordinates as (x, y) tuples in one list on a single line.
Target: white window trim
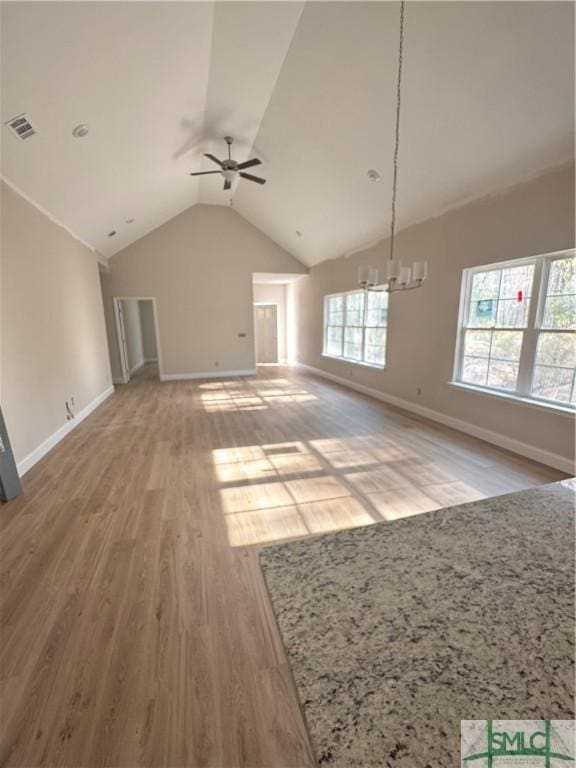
[(531, 332), (325, 326), (563, 409)]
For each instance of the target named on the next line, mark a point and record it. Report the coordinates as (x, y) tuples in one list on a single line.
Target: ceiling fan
[(230, 169)]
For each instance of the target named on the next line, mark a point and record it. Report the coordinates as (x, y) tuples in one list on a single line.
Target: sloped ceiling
[(488, 100)]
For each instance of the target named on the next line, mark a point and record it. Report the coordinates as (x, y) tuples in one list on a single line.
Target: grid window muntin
[(355, 325), (535, 332)]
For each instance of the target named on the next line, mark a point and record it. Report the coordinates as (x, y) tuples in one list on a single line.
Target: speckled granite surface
[(397, 631)]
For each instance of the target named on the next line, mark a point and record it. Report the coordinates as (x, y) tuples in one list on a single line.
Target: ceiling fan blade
[(248, 164), (249, 176), (214, 159), (227, 184), (203, 173)]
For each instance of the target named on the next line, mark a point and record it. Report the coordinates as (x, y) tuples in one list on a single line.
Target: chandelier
[(398, 277)]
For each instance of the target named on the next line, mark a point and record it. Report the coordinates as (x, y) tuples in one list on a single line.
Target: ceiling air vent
[(21, 126)]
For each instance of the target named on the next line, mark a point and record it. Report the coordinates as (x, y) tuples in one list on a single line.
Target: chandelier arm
[(397, 132), (408, 287)]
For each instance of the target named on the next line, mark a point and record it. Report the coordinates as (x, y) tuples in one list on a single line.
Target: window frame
[(326, 326), (531, 333)]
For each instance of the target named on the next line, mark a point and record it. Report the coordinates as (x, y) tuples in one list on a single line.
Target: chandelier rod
[(397, 136)]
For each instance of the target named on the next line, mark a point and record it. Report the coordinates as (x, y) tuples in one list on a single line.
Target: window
[(355, 326), (518, 328)]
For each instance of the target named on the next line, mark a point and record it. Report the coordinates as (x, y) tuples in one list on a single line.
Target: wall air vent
[(21, 126)]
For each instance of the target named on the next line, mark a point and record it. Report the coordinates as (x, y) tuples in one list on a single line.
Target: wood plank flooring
[(136, 629)]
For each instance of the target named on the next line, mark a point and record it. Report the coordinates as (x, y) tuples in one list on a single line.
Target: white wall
[(149, 347), (199, 268), (275, 294), (53, 334), (133, 331), (533, 218)]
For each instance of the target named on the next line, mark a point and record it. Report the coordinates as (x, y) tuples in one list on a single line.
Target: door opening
[(137, 337), (266, 331)]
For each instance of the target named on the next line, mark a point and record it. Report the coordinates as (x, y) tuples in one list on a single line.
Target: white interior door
[(266, 325), (122, 343)]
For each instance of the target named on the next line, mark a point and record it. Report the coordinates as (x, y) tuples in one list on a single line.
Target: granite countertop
[(397, 631)]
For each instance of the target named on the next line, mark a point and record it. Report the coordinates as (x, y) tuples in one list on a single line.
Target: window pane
[(335, 304), (377, 309), (377, 299), (556, 349), (376, 318), (375, 337), (552, 383), (500, 298), (475, 370), (560, 312), (486, 285), (562, 278), (355, 308), (353, 343), (482, 313), (375, 355), (517, 282), (374, 345), (506, 345), (512, 313), (502, 375), (335, 310), (477, 343), (560, 309), (334, 341)]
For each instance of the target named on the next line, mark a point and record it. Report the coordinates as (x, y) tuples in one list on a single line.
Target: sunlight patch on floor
[(278, 491), (335, 515)]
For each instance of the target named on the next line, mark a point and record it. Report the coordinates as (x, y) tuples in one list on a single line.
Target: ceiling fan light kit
[(398, 277), (230, 170)]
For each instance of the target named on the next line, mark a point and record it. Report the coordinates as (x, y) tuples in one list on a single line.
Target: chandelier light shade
[(397, 277)]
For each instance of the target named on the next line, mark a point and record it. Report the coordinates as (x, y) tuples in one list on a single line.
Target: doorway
[(137, 336), (266, 331)]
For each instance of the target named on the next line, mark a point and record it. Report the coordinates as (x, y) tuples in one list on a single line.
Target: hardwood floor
[(136, 629)]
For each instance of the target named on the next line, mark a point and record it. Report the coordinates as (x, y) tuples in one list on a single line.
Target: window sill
[(373, 366), (564, 410)]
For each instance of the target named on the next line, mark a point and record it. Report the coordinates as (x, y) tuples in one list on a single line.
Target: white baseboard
[(41, 451), (495, 438), (207, 375)]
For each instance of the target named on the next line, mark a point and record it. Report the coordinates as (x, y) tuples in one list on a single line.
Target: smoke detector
[(21, 126)]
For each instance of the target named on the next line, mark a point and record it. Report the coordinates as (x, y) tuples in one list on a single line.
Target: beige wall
[(53, 337), (274, 294), (199, 268), (148, 330), (533, 218)]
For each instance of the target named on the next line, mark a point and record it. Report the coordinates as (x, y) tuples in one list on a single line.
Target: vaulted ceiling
[(488, 100)]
